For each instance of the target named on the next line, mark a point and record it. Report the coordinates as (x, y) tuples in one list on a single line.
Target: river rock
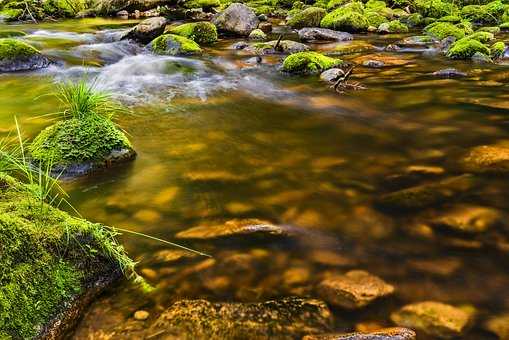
[(468, 219), (147, 30), (332, 75), (287, 318), (285, 46), (171, 44), (449, 73), (315, 33), (257, 34), (499, 325), (434, 318), (266, 27), (425, 195), (487, 159), (237, 19), (232, 228), (355, 289), (16, 56), (169, 256), (393, 333), (373, 63)]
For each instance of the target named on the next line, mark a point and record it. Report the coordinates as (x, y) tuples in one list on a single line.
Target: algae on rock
[(309, 62)]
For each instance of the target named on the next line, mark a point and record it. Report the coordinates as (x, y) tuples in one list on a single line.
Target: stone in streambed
[(171, 44), (285, 46), (354, 290), (309, 17), (499, 325), (236, 19), (232, 228), (332, 75), (487, 159), (16, 56), (449, 73), (434, 318), (315, 33), (284, 318), (468, 219), (202, 32), (309, 62), (257, 34), (147, 30), (393, 333)]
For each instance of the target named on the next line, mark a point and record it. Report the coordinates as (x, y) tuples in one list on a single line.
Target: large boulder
[(16, 55), (394, 333), (434, 318), (236, 19), (309, 62), (115, 6), (355, 289), (202, 32), (310, 17), (147, 30), (288, 318), (315, 33), (171, 44)]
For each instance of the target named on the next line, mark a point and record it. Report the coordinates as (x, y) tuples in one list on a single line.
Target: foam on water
[(72, 36)]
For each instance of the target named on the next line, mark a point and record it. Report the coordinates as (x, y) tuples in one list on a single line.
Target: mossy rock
[(202, 32), (309, 62), (80, 146), (333, 4), (466, 48), (491, 13), (205, 4), (16, 55), (11, 33), (497, 50), (52, 264), (434, 8), (504, 26), (10, 14), (490, 29), (395, 26), (375, 19), (376, 5), (453, 19), (257, 34), (348, 18), (414, 20), (171, 44), (310, 17), (483, 37), (442, 30)]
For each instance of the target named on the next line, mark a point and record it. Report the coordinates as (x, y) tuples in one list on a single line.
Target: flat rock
[(393, 333), (331, 75), (287, 318), (236, 19), (372, 63), (434, 318), (147, 30), (315, 33), (449, 73), (233, 228), (487, 159), (355, 289), (499, 325), (468, 219), (285, 46)]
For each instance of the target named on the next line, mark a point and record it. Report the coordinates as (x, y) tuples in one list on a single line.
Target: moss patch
[(309, 62), (76, 141), (310, 17), (13, 49), (465, 48), (203, 32), (45, 257), (497, 50), (441, 30), (172, 44), (348, 18), (202, 4)]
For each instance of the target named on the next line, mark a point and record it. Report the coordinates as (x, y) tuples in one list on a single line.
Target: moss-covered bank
[(50, 263)]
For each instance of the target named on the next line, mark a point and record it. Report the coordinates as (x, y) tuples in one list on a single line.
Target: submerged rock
[(16, 56), (172, 44), (355, 289), (394, 333), (287, 318), (237, 19), (427, 194), (434, 318), (373, 63), (232, 228), (499, 325), (487, 159), (315, 33), (79, 146), (147, 30), (468, 219), (449, 73), (332, 75)]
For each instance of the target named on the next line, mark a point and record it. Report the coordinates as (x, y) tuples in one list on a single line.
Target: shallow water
[(220, 137)]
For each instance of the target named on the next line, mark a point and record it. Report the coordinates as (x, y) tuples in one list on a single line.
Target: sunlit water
[(221, 137)]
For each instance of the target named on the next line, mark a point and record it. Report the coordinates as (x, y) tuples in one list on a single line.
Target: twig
[(29, 13), (276, 47)]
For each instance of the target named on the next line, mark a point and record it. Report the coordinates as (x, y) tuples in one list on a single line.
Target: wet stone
[(373, 63), (468, 219), (355, 289), (487, 159), (449, 73), (168, 256), (434, 318), (147, 30), (331, 75), (315, 33), (141, 315), (232, 228), (237, 19), (284, 318), (499, 325), (393, 333)]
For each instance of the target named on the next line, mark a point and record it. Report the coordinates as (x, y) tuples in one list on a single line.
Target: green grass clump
[(13, 49), (46, 259), (441, 30), (466, 47), (172, 44), (310, 17), (309, 62), (203, 32)]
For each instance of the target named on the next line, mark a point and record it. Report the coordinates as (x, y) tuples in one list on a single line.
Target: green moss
[(11, 33), (491, 29), (11, 14), (441, 30), (490, 13), (174, 44), (203, 32), (375, 5), (375, 19), (45, 256), (349, 17), (265, 9), (504, 26), (76, 141), (202, 4), (483, 37), (309, 62), (453, 19), (465, 48), (414, 20), (332, 4), (12, 49), (395, 26), (497, 50), (400, 13), (257, 34), (435, 8), (310, 17)]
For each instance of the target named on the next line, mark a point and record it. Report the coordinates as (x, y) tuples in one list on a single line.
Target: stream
[(220, 136)]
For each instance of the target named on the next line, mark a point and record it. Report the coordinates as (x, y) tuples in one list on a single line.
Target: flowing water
[(221, 136)]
